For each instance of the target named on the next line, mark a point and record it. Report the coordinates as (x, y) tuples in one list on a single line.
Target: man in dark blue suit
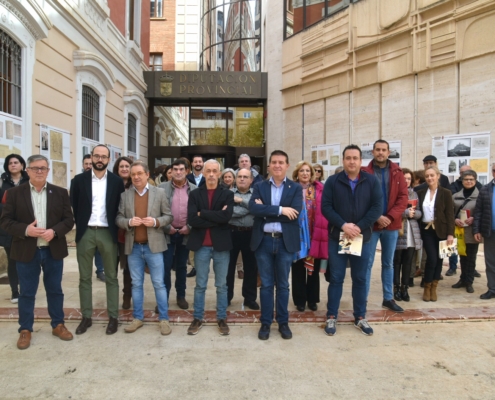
[(275, 204)]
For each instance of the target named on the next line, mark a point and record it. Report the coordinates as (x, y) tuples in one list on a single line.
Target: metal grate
[(131, 133), (90, 114), (10, 75)]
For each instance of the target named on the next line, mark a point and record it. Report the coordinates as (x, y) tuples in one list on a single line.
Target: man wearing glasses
[(95, 198), (38, 216)]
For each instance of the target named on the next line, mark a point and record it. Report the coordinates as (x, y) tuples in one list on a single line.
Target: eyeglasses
[(38, 170), (98, 157), (318, 170)]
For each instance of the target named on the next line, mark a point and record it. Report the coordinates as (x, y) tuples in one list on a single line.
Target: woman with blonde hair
[(305, 271), (319, 174)]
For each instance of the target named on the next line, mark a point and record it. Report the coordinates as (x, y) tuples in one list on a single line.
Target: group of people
[(282, 227)]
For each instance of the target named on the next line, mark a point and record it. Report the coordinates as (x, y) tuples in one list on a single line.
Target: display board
[(11, 137), (327, 155), (55, 145), (395, 152), (454, 151)]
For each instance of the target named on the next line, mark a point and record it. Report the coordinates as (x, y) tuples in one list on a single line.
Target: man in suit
[(143, 212), (196, 176), (209, 210), (276, 205), (95, 198), (38, 216)]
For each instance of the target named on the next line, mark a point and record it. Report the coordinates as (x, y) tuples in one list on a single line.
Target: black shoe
[(451, 272), (477, 274), (264, 332), (251, 304), (112, 326), (285, 331), (441, 278), (300, 308), (487, 296), (411, 282), (84, 325), (404, 294), (459, 285), (469, 288), (191, 273), (313, 306), (422, 284), (397, 295), (392, 306)]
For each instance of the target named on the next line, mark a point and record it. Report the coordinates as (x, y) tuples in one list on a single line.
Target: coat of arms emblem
[(166, 84)]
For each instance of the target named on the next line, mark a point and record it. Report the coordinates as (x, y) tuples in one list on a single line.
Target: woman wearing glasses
[(319, 173), (15, 174), (437, 223), (464, 204)]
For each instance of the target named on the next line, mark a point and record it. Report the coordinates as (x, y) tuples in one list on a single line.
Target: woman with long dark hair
[(15, 174)]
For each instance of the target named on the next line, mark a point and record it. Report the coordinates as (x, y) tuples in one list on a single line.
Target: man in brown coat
[(38, 216)]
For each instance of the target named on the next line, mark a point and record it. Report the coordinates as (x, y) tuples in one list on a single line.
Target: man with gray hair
[(209, 210), (245, 162), (38, 216)]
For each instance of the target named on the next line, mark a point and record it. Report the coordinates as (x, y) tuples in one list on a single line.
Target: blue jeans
[(29, 279), (202, 259), (453, 259), (388, 239), (337, 267), (176, 253), (137, 260), (274, 262), (98, 262)]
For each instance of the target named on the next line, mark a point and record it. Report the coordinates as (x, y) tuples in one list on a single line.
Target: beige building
[(77, 66), (390, 69)]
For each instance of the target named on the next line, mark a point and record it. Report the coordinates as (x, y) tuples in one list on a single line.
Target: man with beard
[(196, 176), (95, 198)]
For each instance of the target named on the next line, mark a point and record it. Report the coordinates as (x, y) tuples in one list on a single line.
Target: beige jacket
[(158, 208)]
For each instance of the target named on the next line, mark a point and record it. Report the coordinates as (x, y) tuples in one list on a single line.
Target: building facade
[(72, 77)]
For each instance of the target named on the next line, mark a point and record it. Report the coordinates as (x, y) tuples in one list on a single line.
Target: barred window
[(131, 133), (10, 75), (90, 114), (156, 61)]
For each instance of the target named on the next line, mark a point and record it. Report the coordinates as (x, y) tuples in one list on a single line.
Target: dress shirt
[(99, 200), (276, 192), (241, 216), (178, 206), (429, 207), (39, 206), (197, 178)]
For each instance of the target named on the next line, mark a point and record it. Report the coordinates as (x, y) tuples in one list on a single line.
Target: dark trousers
[(176, 254), (305, 288), (468, 263), (433, 266), (29, 279), (241, 241), (12, 272), (403, 260), (122, 260)]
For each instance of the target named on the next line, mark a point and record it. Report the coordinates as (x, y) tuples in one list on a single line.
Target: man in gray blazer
[(143, 212)]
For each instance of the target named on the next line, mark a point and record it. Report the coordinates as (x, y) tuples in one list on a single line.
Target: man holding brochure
[(352, 202)]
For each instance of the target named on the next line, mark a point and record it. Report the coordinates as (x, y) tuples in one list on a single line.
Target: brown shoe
[(62, 332), (433, 295), (195, 326), (223, 328), (427, 292), (24, 340), (126, 303), (240, 274), (182, 303)]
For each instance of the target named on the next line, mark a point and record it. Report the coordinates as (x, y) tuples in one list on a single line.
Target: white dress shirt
[(99, 200), (429, 207)]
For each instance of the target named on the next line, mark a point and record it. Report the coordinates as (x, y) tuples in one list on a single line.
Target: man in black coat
[(209, 210), (95, 198)]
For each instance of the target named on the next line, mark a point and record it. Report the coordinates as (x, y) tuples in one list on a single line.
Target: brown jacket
[(18, 213), (444, 211)]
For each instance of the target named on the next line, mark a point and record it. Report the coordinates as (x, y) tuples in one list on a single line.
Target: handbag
[(461, 244), (403, 227)]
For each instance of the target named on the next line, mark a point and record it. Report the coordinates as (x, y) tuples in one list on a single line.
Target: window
[(10, 75), (90, 114), (156, 9), (156, 61), (247, 115), (131, 133)]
